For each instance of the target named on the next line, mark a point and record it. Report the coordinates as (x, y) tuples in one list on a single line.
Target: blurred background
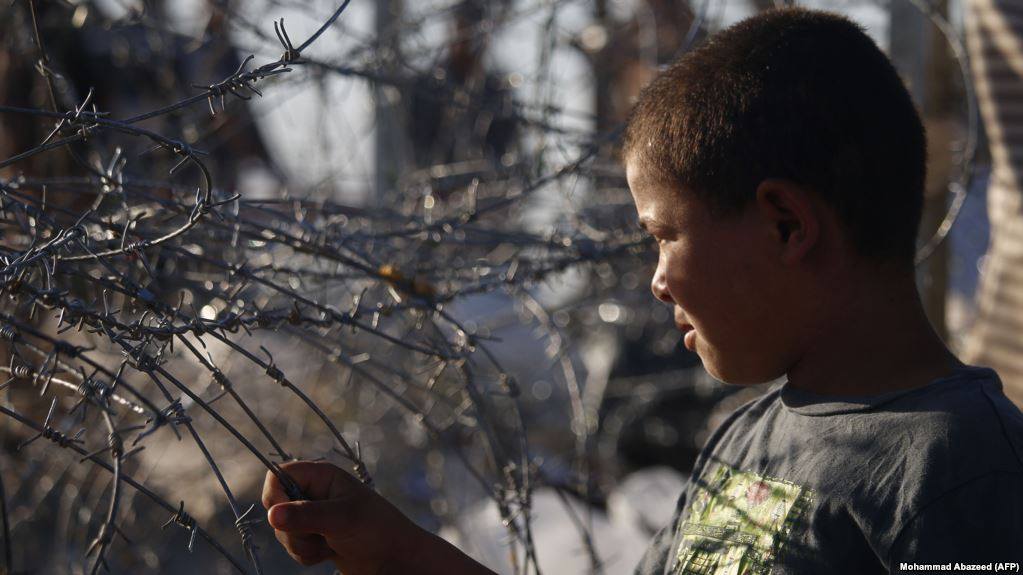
[(431, 275)]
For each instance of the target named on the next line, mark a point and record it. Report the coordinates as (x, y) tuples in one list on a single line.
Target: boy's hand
[(354, 527), (344, 521)]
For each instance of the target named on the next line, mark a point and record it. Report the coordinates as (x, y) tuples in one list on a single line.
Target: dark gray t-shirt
[(799, 483)]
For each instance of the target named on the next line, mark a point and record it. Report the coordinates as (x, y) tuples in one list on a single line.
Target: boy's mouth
[(688, 334)]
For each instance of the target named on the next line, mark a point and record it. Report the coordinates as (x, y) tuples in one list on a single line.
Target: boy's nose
[(659, 286)]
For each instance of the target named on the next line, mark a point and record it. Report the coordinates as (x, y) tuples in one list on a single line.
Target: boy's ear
[(792, 215)]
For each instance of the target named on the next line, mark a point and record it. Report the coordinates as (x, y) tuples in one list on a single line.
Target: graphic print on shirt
[(738, 523)]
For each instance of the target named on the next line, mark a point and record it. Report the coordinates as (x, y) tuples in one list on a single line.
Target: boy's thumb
[(305, 516)]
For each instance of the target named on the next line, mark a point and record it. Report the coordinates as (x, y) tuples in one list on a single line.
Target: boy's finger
[(311, 559), (317, 475), (329, 516), (273, 491), (317, 479), (310, 547)]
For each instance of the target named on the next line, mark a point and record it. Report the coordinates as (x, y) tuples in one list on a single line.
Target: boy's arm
[(353, 526), (979, 522)]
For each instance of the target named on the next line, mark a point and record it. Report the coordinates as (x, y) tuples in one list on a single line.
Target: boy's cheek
[(682, 286)]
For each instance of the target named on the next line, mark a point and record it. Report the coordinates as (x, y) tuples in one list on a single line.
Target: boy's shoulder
[(963, 421), (852, 477), (968, 401), (896, 449), (880, 460), (959, 418), (974, 414)]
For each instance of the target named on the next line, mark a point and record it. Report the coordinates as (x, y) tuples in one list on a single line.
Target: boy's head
[(785, 139)]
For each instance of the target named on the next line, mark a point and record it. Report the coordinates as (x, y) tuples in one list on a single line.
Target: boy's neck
[(875, 339)]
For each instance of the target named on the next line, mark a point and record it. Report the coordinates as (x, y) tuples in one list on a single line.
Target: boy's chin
[(740, 374)]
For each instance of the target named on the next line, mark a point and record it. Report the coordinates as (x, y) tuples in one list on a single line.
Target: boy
[(780, 167)]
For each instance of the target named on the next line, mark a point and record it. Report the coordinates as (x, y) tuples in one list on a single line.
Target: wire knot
[(290, 53), (175, 413), (220, 378), (182, 518), (22, 371), (61, 439), (244, 527), (116, 445)]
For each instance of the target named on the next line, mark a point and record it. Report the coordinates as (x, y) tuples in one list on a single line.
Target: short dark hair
[(797, 94)]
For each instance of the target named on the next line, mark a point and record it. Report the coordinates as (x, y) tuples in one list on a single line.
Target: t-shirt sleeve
[(656, 558), (979, 522)]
